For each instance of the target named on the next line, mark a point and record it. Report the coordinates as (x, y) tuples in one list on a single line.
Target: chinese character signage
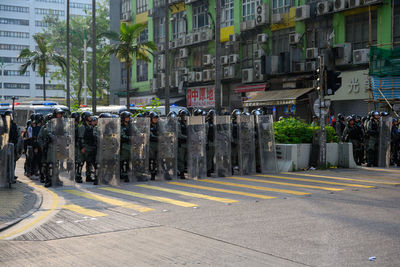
[(201, 97)]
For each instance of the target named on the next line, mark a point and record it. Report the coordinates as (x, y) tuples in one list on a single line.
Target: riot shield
[(222, 143), (62, 151), (247, 163), (4, 130), (197, 162), (139, 141), (265, 144), (167, 156), (385, 129), (108, 146), (10, 164)]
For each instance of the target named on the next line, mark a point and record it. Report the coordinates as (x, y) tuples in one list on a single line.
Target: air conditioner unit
[(250, 24), (271, 64), (302, 12), (199, 76), (187, 2), (196, 37), (188, 39), (258, 53), (181, 41), (184, 71), (233, 37), (299, 67), (224, 60), (247, 75), (262, 14), (276, 18), (342, 53), (207, 75), (353, 3), (153, 85), (207, 60), (312, 53), (262, 38), (258, 70), (310, 66), (233, 59), (161, 62), (324, 7), (361, 56), (192, 77), (183, 53), (370, 2), (173, 44), (294, 38), (339, 5), (243, 26), (206, 35), (229, 72)]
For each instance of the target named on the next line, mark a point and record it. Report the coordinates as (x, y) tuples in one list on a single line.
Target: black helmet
[(95, 118), (75, 115), (153, 115), (246, 113), (376, 113), (371, 113), (198, 112), (105, 115), (350, 118), (85, 115), (28, 123), (363, 118), (172, 114), (125, 114), (261, 111), (384, 114), (256, 112), (48, 117), (57, 111), (235, 113), (395, 120), (32, 117), (183, 113), (211, 113), (340, 116)]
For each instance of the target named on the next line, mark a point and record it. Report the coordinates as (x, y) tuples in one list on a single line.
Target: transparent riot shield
[(265, 144), (108, 147), (62, 151), (139, 141), (222, 143), (167, 156), (247, 163), (385, 129), (196, 161), (10, 164)]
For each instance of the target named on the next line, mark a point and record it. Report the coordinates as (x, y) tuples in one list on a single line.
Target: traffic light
[(334, 82), (317, 78)]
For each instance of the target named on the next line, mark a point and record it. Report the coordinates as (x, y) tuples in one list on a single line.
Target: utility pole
[(322, 111), (68, 72), (94, 78), (218, 86), (85, 62), (166, 25), (3, 95)]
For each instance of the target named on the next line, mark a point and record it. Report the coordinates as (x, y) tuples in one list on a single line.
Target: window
[(80, 5), (14, 21), (198, 53), (126, 9), (16, 85), (13, 47), (144, 36), (227, 13), (12, 60), (200, 16), (14, 34), (357, 30), (39, 23), (123, 74), (280, 41), (15, 73), (19, 9), (282, 6), (141, 70), (248, 49), (141, 6), (396, 27), (178, 25), (50, 86), (47, 75), (52, 1), (43, 11), (249, 9), (159, 30), (159, 3), (318, 31)]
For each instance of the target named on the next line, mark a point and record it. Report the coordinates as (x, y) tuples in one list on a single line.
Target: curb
[(36, 206)]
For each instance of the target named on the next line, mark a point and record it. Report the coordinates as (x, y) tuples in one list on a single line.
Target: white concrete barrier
[(332, 154), (346, 159)]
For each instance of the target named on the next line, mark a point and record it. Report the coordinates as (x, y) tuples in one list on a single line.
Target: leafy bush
[(293, 131)]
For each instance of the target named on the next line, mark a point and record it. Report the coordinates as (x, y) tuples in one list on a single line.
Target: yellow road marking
[(257, 187), (314, 181), (41, 217), (84, 211), (341, 178), (380, 169), (219, 199), (108, 200), (222, 190), (155, 198), (288, 184)]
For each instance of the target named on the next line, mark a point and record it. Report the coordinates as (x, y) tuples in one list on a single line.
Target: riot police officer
[(395, 143), (340, 125), (89, 144), (210, 145), (373, 139), (43, 141), (235, 140), (153, 144), (182, 143), (125, 146), (256, 113), (352, 133), (78, 145)]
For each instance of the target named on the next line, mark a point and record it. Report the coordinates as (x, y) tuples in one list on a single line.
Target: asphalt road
[(337, 217)]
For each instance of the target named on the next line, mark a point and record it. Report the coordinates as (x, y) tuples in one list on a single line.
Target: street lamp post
[(2, 82), (68, 66), (85, 62), (94, 78)]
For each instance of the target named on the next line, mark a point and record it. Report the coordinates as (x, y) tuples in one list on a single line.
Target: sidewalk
[(18, 202)]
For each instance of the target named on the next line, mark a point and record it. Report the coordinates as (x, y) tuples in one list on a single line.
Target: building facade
[(19, 21), (270, 51)]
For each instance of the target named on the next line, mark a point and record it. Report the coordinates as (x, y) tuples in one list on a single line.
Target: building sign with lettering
[(355, 86), (200, 97)]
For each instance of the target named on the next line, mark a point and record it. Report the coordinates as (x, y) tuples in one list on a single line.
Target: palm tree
[(126, 48), (41, 57)]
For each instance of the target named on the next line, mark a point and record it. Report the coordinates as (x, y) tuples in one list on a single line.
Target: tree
[(41, 57), (127, 49)]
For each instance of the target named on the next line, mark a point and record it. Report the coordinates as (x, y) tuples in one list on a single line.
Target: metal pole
[(218, 86), (2, 82), (68, 72), (166, 25), (94, 78), (322, 137), (85, 71)]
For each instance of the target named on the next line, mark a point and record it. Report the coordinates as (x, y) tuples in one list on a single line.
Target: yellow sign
[(225, 32), (142, 17)]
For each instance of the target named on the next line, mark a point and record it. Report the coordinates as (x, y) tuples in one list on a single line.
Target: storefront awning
[(276, 97), (250, 88)]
